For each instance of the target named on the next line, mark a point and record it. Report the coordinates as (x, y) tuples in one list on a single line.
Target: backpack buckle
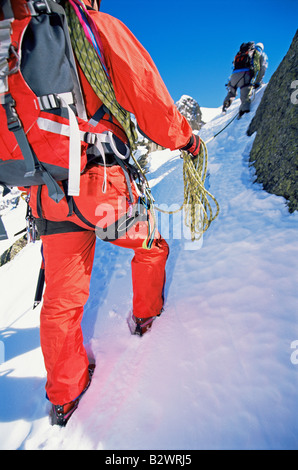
[(55, 100), (13, 121), (49, 102), (90, 138), (38, 7)]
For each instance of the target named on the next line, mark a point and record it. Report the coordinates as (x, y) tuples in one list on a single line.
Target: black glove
[(193, 146), (256, 85)]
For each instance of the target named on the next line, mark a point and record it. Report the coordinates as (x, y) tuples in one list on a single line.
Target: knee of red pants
[(68, 265), (148, 270)]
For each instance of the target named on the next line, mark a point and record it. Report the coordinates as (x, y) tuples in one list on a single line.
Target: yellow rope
[(199, 205)]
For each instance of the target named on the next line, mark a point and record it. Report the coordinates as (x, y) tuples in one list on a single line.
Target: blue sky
[(193, 43)]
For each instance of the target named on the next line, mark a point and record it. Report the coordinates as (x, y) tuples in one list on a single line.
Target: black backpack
[(244, 58)]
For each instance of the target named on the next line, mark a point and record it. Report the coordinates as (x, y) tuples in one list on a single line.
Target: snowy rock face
[(190, 109), (275, 149)]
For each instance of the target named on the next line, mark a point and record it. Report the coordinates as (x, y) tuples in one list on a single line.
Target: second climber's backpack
[(44, 132), (244, 58)]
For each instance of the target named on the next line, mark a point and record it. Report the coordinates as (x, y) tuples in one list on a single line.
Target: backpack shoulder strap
[(80, 105), (88, 51), (6, 9)]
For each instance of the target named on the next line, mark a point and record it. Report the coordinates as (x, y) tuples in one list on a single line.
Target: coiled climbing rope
[(199, 205)]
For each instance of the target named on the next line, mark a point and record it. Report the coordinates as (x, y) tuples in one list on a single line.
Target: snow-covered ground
[(210, 113), (219, 368)]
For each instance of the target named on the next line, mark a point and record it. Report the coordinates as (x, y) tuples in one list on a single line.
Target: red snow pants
[(68, 265)]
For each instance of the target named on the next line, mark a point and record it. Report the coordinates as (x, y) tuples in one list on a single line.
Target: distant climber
[(249, 67)]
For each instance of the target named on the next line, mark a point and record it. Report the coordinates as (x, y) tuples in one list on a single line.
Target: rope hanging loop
[(199, 205)]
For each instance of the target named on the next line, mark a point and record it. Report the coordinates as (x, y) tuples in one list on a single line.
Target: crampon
[(60, 414), (139, 326)]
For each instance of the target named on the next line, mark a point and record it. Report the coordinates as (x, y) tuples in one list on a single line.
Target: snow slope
[(219, 368)]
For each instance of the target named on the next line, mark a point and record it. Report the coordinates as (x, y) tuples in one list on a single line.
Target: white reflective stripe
[(3, 83), (75, 136), (64, 129), (5, 39), (74, 171), (56, 127), (5, 42), (100, 148)]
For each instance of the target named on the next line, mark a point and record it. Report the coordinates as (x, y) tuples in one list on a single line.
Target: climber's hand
[(193, 146)]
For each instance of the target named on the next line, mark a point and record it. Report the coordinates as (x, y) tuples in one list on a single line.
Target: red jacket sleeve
[(138, 85)]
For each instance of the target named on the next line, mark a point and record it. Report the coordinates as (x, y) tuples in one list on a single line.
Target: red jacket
[(140, 90), (138, 85)]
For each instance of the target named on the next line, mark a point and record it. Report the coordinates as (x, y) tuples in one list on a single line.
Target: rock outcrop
[(190, 109), (275, 149)]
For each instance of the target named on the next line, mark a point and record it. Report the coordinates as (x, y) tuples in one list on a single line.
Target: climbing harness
[(92, 64)]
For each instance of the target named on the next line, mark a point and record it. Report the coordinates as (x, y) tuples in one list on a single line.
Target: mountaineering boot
[(60, 414), (226, 105), (139, 326), (240, 114), (142, 325)]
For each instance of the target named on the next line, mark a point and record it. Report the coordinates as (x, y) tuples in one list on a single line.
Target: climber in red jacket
[(68, 231)]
